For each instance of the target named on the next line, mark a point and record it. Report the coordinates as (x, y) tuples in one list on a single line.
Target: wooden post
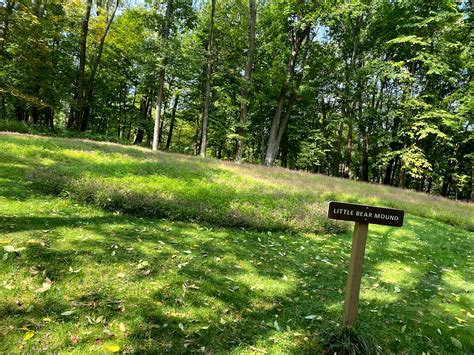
[(362, 215), (351, 304)]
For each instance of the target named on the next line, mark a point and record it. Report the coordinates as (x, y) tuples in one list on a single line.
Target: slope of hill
[(107, 247), (138, 181)]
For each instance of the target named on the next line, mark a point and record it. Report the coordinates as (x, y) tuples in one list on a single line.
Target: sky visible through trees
[(373, 90)]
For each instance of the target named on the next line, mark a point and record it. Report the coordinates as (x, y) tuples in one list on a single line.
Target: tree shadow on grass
[(223, 290), (211, 276)]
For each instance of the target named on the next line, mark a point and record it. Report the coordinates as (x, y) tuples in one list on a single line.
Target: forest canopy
[(374, 90)]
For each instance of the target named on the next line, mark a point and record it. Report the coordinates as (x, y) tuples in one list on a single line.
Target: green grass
[(160, 252)]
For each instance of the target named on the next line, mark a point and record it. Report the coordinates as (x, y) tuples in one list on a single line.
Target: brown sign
[(365, 214)]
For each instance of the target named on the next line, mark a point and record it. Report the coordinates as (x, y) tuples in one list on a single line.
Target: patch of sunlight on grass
[(380, 229), (403, 233), (269, 286), (455, 280), (396, 274), (47, 161), (379, 295)]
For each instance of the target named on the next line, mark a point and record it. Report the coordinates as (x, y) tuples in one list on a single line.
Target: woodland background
[(373, 90)]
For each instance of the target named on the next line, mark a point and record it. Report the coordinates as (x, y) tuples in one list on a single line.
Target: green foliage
[(386, 85), (313, 151), (348, 341)]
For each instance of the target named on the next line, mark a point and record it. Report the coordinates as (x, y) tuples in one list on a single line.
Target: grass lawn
[(113, 248)]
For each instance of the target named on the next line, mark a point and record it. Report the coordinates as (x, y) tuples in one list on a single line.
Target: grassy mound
[(80, 278), (140, 182)]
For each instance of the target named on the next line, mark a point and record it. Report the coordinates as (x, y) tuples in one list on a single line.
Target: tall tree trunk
[(139, 131), (163, 116), (337, 156), (207, 92), (82, 114), (365, 156), (472, 169), (33, 115), (388, 172), (278, 125), (172, 121), (348, 155), (4, 26), (445, 185), (4, 107), (49, 118), (247, 77), (394, 145), (79, 95), (354, 63), (161, 80)]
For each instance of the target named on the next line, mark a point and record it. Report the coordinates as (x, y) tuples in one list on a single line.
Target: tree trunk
[(348, 155), (172, 120), (421, 185), (365, 157), (19, 113), (49, 118), (388, 172), (161, 80), (278, 125), (138, 139), (247, 76), (163, 116), (337, 156), (4, 25), (82, 66), (445, 185), (84, 110), (401, 182), (4, 107), (207, 93), (32, 115)]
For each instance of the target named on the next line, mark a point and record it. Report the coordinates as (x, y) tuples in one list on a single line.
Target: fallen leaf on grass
[(403, 329), (45, 287), (122, 327), (28, 335), (312, 316), (68, 313), (9, 248), (113, 348), (142, 265), (456, 343), (275, 324), (73, 271), (12, 249)]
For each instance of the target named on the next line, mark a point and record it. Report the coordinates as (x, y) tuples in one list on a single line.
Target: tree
[(84, 90), (207, 90), (246, 85), (161, 80)]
